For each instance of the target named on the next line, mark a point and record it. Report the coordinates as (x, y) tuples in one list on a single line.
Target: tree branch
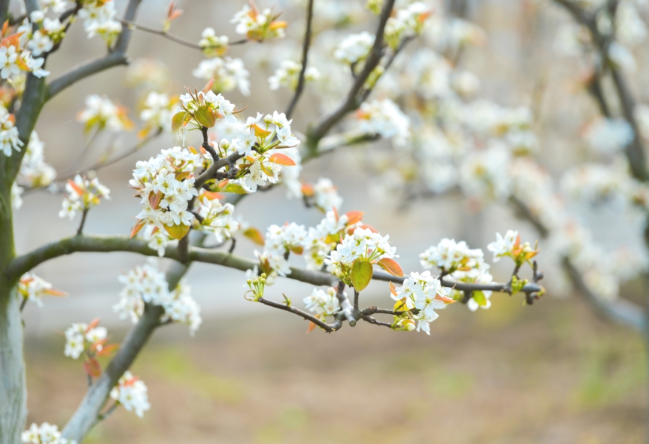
[(329, 328), (116, 57), (305, 54), (350, 102)]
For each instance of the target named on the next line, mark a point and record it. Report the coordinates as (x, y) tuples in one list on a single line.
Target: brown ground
[(547, 374)]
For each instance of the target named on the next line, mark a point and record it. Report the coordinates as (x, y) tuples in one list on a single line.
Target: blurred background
[(550, 373)]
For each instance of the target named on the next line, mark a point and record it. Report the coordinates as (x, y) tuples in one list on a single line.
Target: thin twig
[(329, 328), (350, 103), (305, 54), (84, 214)]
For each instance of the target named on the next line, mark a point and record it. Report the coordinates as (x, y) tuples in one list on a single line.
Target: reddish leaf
[(108, 350), (259, 132), (361, 274), (354, 217), (391, 266), (92, 367), (93, 324), (211, 195), (368, 227), (75, 187), (138, 226), (254, 235), (155, 199), (393, 289), (282, 159), (307, 189), (311, 327), (209, 85)]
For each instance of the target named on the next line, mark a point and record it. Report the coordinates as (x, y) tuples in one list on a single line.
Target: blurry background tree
[(385, 76)]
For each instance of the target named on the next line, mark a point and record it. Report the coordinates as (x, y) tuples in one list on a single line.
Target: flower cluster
[(212, 44), (363, 245), (8, 133), (510, 245), (147, 285), (33, 288), (273, 144), (419, 296), (216, 216), (81, 337), (131, 393), (323, 302), (354, 48), (101, 113), (449, 256), (228, 74), (408, 22), (165, 185), (323, 194), (462, 264), (49, 32), (14, 60), (99, 19), (608, 136), (280, 242), (44, 434), (258, 25), (157, 112), (288, 73), (384, 118), (81, 195), (34, 172)]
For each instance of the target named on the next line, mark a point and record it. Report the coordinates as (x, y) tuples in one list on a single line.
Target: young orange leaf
[(138, 226), (259, 132), (282, 159), (93, 324), (311, 327), (354, 217), (75, 187), (391, 266), (393, 289), (108, 350), (92, 367), (307, 189), (254, 235), (208, 87)]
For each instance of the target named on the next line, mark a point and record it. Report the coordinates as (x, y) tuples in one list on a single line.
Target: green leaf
[(205, 116), (178, 120), (361, 274), (177, 231), (480, 298), (234, 188)]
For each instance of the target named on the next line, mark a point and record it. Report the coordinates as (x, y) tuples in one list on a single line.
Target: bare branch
[(305, 55)]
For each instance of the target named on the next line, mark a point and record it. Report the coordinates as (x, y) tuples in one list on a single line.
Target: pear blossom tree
[(188, 194)]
